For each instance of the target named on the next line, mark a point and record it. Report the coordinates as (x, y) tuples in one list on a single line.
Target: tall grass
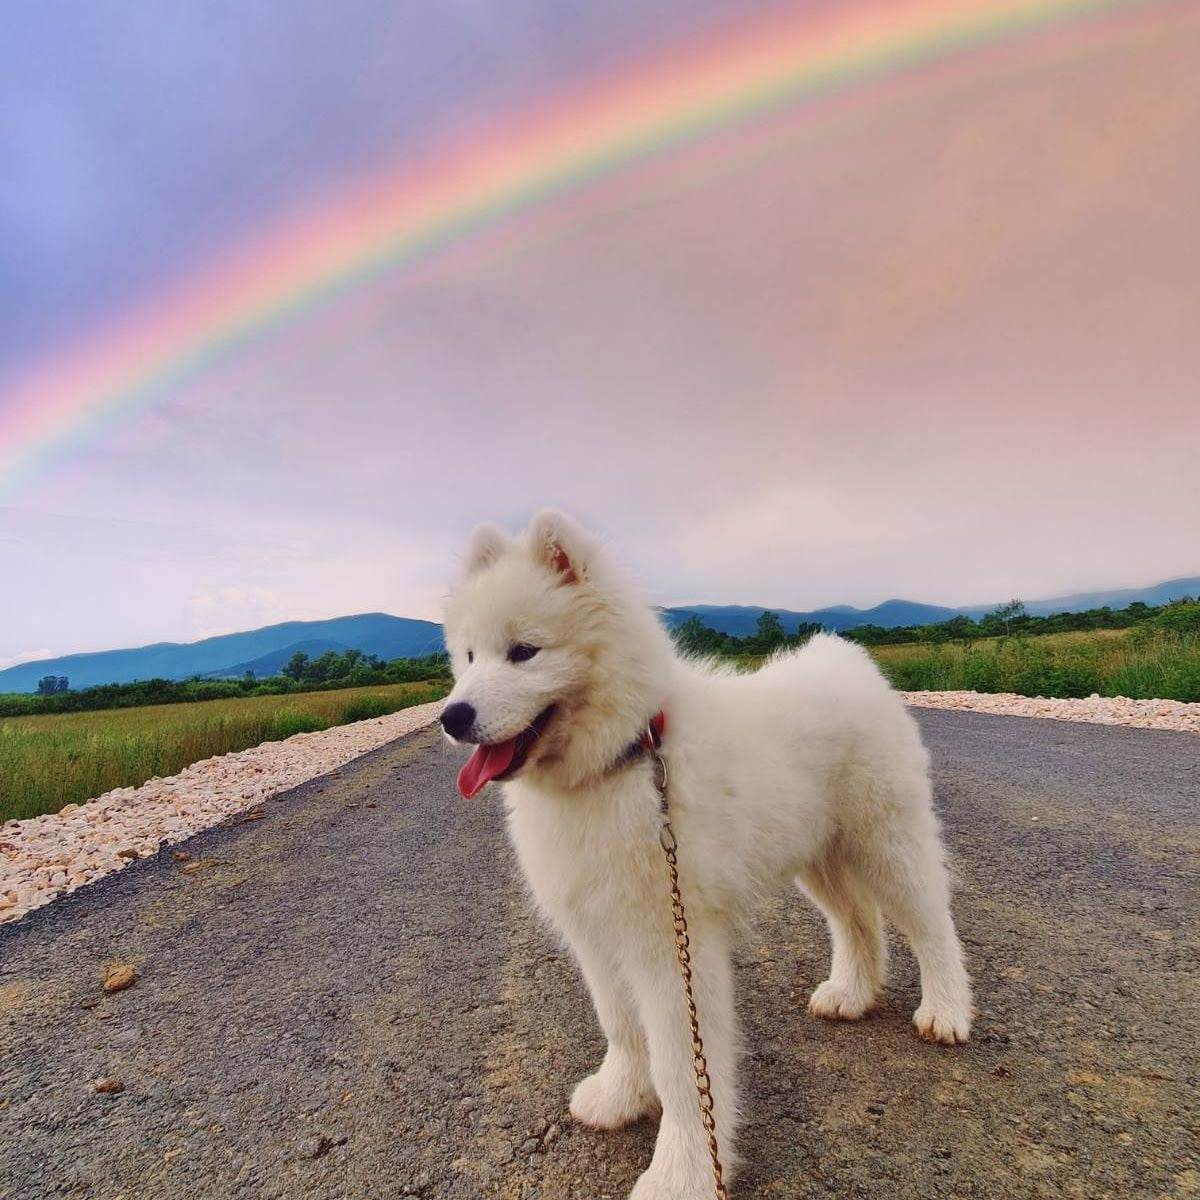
[(1138, 663), (49, 761)]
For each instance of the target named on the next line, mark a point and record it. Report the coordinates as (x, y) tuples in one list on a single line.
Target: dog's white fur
[(808, 770)]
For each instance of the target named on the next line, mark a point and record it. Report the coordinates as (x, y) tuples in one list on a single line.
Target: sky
[(930, 335)]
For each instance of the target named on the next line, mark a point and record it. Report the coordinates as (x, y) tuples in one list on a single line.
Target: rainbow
[(404, 215)]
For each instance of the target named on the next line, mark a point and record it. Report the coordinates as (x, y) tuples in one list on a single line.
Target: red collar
[(647, 742), (655, 728)]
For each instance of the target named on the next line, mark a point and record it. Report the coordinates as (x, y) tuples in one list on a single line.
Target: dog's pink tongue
[(484, 765)]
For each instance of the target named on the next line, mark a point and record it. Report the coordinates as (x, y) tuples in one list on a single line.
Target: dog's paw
[(656, 1185), (949, 1025), (604, 1101), (836, 1002)]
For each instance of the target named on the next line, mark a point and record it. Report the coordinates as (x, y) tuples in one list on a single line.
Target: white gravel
[(1099, 710), (45, 857)]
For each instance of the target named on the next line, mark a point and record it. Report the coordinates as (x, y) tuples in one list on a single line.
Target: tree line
[(353, 668), (1008, 620), (1013, 619), (301, 674), (694, 637)]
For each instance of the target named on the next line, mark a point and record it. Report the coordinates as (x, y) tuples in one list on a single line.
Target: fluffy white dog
[(807, 771)]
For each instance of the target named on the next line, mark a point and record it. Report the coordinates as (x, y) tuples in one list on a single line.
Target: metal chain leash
[(683, 953)]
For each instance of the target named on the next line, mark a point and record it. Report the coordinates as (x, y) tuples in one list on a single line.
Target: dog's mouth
[(500, 760)]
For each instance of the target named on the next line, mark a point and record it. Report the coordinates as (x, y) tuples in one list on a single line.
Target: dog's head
[(555, 666)]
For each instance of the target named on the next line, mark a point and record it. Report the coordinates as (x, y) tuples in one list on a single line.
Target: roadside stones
[(1175, 715), (118, 977), (315, 1146), (201, 864), (541, 1137), (42, 858)]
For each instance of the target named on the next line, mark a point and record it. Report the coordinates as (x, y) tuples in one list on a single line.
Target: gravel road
[(346, 998)]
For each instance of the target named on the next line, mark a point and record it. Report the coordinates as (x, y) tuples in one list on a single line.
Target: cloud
[(918, 339)]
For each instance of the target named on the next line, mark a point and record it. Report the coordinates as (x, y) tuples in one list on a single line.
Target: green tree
[(1010, 613), (296, 666), (769, 633), (690, 636), (959, 628)]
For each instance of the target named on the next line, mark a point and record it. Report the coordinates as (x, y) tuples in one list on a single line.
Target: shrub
[(1180, 618), (288, 721), (365, 707)]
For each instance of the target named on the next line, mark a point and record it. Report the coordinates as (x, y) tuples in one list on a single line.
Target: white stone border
[(1098, 710), (42, 858), (45, 857)]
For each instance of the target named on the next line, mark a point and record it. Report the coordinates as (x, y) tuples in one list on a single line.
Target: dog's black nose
[(457, 719)]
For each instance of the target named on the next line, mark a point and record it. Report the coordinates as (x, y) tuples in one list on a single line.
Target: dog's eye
[(470, 656), (521, 653)]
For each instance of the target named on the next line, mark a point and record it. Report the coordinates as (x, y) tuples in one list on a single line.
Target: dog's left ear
[(486, 545), (558, 543)]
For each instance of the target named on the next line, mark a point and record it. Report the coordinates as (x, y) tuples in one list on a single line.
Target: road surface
[(347, 999)]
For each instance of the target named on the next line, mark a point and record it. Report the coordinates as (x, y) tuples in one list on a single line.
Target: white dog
[(808, 770)]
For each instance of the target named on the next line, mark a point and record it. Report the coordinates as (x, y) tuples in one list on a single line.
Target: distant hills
[(264, 651), (260, 650), (740, 619)]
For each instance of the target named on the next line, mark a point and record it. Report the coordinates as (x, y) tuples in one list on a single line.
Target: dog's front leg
[(620, 1092), (681, 1168)]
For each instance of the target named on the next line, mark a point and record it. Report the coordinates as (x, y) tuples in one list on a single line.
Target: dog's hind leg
[(620, 1091), (859, 965), (908, 875)]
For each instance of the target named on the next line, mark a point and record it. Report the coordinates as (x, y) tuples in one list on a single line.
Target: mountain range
[(264, 651), (740, 619)]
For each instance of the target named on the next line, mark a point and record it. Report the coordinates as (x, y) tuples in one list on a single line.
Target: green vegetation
[(302, 674), (1139, 652), (1010, 619), (52, 760), (1150, 665), (694, 637), (57, 748)]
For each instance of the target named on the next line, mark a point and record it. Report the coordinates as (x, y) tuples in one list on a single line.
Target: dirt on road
[(347, 998)]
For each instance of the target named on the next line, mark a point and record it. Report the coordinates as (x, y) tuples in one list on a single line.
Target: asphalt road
[(348, 999)]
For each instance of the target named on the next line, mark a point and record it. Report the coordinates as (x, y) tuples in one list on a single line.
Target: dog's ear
[(558, 543), (486, 545)]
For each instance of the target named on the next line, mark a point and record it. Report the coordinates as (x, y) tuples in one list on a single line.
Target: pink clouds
[(937, 339)]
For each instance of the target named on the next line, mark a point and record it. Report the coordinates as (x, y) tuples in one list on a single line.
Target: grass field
[(1138, 663), (49, 761)]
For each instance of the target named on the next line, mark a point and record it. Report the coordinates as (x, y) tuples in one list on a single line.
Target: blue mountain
[(274, 662), (372, 633), (1158, 593), (264, 651), (740, 619)]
